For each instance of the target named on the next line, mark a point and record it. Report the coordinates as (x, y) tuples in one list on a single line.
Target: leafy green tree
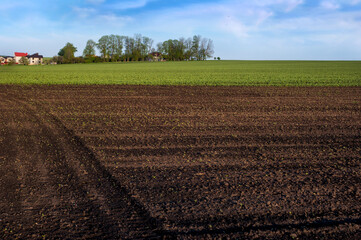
[(67, 52), (137, 47), (118, 47), (167, 49), (89, 50), (177, 50), (128, 48), (195, 47), (112, 46), (188, 49), (61, 52), (115, 47), (57, 59), (160, 48), (104, 46), (24, 61), (146, 47)]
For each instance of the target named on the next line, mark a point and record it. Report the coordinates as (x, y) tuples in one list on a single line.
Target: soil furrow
[(180, 162), (97, 204)]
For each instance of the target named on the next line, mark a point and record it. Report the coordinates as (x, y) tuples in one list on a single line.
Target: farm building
[(156, 57), (18, 56), (6, 59), (35, 59)]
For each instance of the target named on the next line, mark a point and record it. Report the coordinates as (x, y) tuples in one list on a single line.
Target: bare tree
[(210, 49)]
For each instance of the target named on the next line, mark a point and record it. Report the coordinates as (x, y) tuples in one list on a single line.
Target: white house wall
[(35, 61), (17, 59)]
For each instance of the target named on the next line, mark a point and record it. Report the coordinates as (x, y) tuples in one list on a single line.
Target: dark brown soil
[(136, 162)]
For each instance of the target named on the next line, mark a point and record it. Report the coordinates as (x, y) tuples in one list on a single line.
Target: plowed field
[(134, 162)]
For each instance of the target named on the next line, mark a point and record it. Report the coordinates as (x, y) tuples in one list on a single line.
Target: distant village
[(22, 58)]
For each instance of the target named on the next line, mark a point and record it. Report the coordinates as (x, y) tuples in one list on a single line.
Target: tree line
[(196, 48), (115, 48)]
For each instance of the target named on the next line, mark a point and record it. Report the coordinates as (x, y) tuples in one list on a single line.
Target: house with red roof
[(18, 56), (34, 59), (156, 57)]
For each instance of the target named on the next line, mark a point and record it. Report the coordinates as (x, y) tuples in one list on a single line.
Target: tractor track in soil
[(77, 198)]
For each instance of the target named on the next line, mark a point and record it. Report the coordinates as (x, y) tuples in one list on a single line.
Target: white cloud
[(97, 18), (286, 5), (292, 4), (115, 19), (350, 2), (318, 23), (84, 12), (263, 16), (355, 2), (234, 17), (129, 4), (330, 5), (335, 4), (234, 26)]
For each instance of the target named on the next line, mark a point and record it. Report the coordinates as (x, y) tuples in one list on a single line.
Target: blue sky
[(240, 29)]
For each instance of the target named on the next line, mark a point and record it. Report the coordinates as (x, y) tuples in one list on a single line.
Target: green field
[(244, 73)]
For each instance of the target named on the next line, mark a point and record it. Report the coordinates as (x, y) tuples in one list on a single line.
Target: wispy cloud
[(129, 4), (84, 12), (234, 27), (115, 19), (96, 18), (331, 5), (286, 5), (351, 2)]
